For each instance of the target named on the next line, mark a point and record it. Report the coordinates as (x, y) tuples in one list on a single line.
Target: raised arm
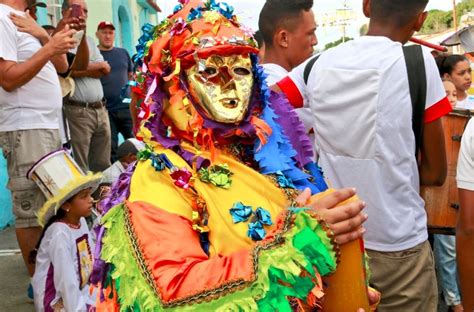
[(13, 75), (28, 25), (81, 59)]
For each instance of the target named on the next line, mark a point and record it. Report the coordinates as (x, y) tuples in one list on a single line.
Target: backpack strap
[(417, 81), (309, 67)]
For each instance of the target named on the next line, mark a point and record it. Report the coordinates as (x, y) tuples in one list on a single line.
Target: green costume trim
[(302, 246)]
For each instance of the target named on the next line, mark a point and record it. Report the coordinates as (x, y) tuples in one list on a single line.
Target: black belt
[(94, 105)]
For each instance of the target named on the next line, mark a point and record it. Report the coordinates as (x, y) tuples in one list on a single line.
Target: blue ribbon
[(194, 14), (263, 216), (160, 161), (166, 161), (221, 7), (226, 10), (256, 231), (148, 31), (283, 181), (157, 162), (177, 8), (240, 212)]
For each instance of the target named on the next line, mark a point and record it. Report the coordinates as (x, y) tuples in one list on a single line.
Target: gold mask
[(222, 86)]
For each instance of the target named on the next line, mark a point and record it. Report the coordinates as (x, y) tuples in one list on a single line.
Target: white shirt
[(89, 89), (467, 103), (276, 73), (361, 109), (465, 170), (63, 267), (37, 104)]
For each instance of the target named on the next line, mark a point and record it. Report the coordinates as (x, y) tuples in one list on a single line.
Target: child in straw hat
[(64, 253)]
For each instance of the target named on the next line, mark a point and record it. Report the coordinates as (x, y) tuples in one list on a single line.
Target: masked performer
[(208, 219)]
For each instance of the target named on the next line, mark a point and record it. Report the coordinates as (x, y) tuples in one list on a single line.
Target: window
[(54, 11)]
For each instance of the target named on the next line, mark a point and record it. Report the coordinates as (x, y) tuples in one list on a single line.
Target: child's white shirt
[(63, 267)]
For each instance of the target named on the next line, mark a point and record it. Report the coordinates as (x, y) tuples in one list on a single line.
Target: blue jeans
[(445, 256)]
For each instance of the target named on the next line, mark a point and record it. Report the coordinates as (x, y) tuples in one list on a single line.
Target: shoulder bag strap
[(417, 81), (309, 67)]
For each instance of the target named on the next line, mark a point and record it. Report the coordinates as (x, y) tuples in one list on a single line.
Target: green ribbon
[(218, 175), (276, 298), (310, 243)]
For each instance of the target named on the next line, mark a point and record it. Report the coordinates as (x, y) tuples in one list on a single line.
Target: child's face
[(450, 92), (81, 204), (461, 76)]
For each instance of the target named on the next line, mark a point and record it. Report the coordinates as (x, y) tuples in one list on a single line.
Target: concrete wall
[(127, 16), (6, 215)]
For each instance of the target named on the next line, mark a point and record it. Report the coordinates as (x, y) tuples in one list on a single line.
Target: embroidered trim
[(211, 294), (142, 265), (289, 192)]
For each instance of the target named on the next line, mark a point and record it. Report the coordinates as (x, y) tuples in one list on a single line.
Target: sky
[(248, 11)]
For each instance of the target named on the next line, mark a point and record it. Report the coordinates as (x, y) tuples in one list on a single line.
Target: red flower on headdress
[(179, 27)]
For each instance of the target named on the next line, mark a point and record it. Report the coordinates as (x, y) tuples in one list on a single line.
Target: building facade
[(128, 16)]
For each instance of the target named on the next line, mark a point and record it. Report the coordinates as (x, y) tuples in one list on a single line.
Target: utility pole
[(455, 17), (344, 15)]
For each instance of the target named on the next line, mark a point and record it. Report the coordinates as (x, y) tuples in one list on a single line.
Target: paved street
[(13, 276)]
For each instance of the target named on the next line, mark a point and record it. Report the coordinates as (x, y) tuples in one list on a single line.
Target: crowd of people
[(219, 197)]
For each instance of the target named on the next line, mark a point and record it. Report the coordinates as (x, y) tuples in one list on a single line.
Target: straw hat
[(59, 178)]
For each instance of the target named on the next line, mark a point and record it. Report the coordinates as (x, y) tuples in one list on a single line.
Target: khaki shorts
[(406, 279), (22, 149)]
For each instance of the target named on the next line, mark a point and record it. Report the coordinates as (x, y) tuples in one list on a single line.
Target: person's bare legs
[(27, 239)]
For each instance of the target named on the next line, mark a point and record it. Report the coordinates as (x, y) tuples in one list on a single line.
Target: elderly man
[(85, 109), (30, 102)]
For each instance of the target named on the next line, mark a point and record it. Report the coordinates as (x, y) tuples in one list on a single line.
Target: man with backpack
[(365, 128)]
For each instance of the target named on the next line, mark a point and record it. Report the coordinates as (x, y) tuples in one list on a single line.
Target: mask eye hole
[(241, 71), (209, 72)]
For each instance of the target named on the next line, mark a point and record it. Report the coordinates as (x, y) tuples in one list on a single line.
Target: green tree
[(437, 21), (464, 7), (363, 29), (337, 42)]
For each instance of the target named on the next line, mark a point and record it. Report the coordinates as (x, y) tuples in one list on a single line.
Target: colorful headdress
[(195, 31), (59, 178), (271, 130)]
